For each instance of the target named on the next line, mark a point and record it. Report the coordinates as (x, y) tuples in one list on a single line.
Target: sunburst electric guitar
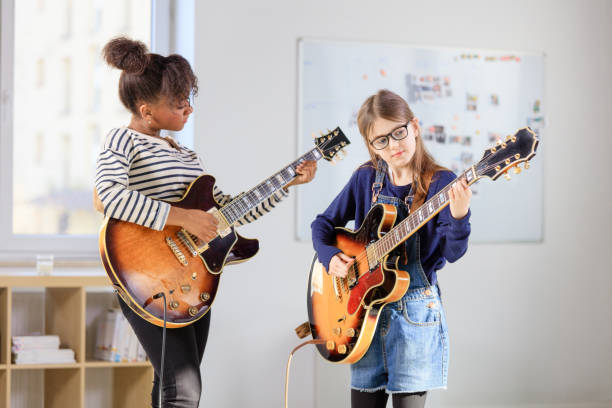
[(343, 312), (143, 263)]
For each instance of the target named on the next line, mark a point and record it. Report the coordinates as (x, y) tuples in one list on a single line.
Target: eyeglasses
[(381, 142)]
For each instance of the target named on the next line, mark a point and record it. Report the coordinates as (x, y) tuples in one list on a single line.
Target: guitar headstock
[(516, 149), (331, 143)]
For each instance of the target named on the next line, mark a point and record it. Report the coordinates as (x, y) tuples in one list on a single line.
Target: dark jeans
[(184, 351), (378, 399)]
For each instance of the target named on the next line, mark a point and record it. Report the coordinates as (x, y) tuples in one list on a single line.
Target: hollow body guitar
[(345, 311), (143, 263)]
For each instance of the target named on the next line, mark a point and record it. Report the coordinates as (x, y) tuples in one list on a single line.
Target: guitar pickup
[(185, 238), (191, 242)]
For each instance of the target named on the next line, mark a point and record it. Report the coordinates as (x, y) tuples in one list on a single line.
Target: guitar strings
[(236, 207)]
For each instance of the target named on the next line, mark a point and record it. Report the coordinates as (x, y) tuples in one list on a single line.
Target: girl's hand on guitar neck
[(198, 222), (460, 196), (339, 264)]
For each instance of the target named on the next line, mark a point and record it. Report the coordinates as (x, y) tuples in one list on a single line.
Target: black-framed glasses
[(381, 142)]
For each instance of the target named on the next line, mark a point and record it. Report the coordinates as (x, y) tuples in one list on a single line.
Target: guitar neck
[(405, 229), (245, 202)]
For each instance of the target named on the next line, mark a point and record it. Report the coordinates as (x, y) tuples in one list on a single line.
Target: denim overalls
[(409, 351)]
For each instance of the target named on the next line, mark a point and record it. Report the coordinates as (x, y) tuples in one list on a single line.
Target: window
[(57, 101)]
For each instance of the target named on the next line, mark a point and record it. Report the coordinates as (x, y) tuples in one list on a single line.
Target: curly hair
[(146, 76)]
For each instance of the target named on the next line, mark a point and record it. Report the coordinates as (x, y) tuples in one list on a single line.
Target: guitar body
[(344, 316), (141, 263)]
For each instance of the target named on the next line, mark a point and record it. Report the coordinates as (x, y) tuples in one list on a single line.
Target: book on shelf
[(20, 343), (40, 350), (116, 340)]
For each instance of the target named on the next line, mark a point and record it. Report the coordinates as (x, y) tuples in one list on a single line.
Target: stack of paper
[(116, 340), (40, 350)]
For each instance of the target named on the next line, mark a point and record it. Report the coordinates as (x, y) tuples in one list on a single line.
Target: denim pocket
[(423, 311)]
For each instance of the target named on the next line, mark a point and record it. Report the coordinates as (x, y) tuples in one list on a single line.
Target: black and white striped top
[(135, 172)]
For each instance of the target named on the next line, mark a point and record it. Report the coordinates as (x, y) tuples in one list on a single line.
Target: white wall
[(530, 324)]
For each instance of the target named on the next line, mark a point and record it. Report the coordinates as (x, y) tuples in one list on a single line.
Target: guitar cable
[(315, 341), (163, 352)]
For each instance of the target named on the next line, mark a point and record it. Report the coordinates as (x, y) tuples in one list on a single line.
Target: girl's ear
[(417, 128), (145, 111)]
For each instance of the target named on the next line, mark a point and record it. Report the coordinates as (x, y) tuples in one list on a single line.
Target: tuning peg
[(507, 176), (517, 170), (526, 165)]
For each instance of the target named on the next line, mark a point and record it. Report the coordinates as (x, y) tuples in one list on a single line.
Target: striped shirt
[(137, 175)]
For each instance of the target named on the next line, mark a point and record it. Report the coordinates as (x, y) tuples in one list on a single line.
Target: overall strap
[(381, 171)]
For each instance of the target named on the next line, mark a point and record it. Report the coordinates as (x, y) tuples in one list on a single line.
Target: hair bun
[(127, 55)]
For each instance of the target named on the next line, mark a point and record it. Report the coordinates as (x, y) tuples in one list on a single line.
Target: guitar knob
[(330, 345), (204, 296), (173, 305), (337, 331), (342, 349), (507, 176), (185, 288), (350, 332), (193, 311)]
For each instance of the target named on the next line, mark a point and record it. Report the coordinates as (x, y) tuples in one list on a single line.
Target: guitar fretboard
[(414, 221), (245, 202)]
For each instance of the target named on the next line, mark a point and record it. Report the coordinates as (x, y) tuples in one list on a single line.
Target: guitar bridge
[(176, 251)]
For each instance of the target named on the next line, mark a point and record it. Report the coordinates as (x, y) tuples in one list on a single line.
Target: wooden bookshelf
[(65, 310)]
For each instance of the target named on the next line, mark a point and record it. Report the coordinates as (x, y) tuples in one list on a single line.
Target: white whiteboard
[(464, 100)]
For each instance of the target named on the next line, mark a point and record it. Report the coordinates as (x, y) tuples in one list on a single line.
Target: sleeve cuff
[(279, 195), (461, 223), (326, 255), (162, 216)]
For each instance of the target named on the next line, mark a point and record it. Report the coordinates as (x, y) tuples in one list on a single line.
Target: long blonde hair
[(389, 105)]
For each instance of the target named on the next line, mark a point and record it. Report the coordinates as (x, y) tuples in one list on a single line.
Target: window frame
[(167, 16)]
